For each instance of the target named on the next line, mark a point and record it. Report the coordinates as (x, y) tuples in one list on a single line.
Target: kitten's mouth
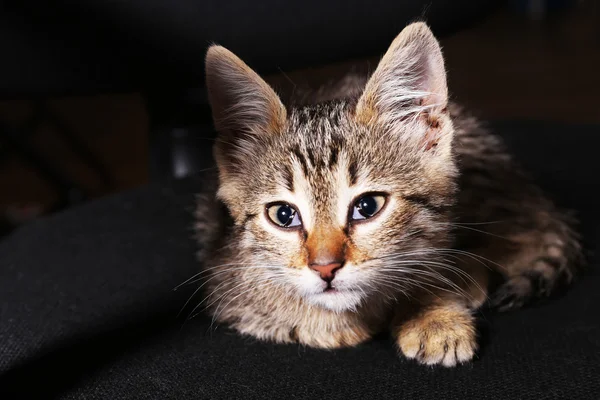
[(336, 299), (335, 290)]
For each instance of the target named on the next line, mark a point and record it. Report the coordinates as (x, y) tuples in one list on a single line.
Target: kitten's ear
[(242, 103), (410, 79)]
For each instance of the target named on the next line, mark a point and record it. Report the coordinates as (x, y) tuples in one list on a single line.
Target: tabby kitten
[(386, 208)]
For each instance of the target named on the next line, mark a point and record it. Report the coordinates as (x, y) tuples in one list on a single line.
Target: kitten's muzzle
[(327, 272)]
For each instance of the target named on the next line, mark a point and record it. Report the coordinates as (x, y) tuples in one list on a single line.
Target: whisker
[(205, 297), (480, 223), (473, 256), (218, 298), (223, 295), (454, 225), (434, 275), (448, 251), (217, 313), (242, 266)]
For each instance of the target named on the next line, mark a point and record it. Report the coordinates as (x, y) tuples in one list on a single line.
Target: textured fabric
[(87, 310)]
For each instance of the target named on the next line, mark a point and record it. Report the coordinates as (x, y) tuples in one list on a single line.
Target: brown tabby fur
[(459, 211)]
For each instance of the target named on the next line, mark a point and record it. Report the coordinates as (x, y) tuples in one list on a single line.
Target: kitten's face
[(330, 190), (331, 200)]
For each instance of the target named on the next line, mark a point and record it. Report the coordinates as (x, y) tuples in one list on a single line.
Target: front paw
[(436, 336)]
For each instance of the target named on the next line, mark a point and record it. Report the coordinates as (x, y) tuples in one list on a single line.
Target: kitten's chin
[(337, 301)]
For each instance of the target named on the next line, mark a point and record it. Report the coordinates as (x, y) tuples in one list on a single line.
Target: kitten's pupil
[(367, 206), (285, 215)]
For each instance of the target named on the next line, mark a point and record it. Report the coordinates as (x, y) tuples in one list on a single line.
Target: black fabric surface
[(89, 46), (87, 310)]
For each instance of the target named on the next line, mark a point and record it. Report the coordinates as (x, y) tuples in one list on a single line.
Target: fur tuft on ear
[(244, 106), (409, 82)]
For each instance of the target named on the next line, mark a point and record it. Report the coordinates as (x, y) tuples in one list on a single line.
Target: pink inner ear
[(433, 80)]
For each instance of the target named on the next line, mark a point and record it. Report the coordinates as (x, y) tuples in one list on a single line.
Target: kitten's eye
[(367, 206), (283, 215)]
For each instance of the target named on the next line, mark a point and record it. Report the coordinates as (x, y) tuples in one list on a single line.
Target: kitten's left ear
[(240, 99), (244, 107), (409, 81)]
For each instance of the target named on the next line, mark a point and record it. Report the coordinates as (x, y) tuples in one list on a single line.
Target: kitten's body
[(458, 213)]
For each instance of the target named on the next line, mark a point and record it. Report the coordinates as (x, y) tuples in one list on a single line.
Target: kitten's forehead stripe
[(337, 144), (333, 157), (288, 177), (300, 158), (311, 158), (352, 172), (319, 134)]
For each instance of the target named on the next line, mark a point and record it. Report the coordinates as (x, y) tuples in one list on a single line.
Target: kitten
[(384, 209)]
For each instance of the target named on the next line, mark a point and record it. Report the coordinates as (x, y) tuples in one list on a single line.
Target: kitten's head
[(331, 200)]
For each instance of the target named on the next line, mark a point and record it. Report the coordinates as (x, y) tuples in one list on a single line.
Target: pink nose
[(327, 272)]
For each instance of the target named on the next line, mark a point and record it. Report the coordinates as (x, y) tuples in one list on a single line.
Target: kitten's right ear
[(410, 81), (242, 103)]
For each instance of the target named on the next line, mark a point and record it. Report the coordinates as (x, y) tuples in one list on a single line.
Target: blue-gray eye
[(284, 215), (368, 206)]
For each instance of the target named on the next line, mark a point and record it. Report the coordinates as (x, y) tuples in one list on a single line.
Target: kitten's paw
[(544, 276), (441, 336), (522, 289), (514, 293)]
